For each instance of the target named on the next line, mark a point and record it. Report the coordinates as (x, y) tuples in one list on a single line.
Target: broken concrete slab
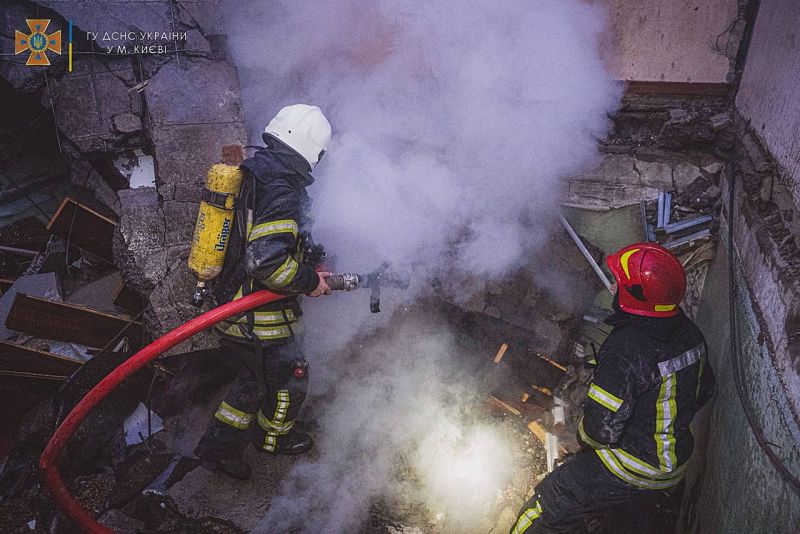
[(655, 174), (86, 102), (614, 168), (684, 174), (603, 196), (195, 92), (44, 285), (720, 121), (176, 165), (126, 123), (710, 164), (140, 237)]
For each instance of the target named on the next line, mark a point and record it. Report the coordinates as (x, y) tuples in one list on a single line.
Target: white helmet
[(303, 128)]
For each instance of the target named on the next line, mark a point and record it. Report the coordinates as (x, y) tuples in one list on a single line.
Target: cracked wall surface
[(770, 87), (181, 107), (675, 41)]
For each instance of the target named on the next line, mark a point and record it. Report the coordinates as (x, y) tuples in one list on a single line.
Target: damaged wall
[(770, 86), (732, 486), (674, 41), (692, 146), (121, 112)]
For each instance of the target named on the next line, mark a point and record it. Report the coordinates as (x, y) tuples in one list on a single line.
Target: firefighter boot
[(294, 443), (226, 460)]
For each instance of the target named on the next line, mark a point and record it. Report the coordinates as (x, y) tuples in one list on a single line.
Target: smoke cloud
[(454, 124)]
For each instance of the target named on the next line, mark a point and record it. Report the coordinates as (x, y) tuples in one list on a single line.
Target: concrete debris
[(679, 115), (126, 123), (684, 174), (720, 121), (710, 165)]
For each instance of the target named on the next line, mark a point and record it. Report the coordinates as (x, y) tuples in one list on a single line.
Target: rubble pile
[(101, 174), (124, 121)]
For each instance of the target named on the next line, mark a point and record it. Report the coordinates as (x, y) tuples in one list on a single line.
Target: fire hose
[(48, 463)]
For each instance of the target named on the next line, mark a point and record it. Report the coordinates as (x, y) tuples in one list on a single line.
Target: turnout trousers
[(263, 401), (575, 491)]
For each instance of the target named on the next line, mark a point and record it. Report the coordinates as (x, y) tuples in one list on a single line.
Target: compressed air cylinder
[(214, 224)]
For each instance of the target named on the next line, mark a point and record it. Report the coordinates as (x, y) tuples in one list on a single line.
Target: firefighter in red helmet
[(652, 376)]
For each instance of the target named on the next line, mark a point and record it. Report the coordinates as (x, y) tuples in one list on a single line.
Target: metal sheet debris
[(135, 425)]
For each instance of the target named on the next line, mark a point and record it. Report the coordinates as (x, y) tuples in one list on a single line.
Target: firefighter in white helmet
[(271, 248)]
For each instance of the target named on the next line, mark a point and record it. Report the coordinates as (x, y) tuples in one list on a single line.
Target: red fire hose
[(48, 464)]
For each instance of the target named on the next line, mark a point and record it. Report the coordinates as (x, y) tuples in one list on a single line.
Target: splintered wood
[(20, 361), (504, 405), (69, 322), (551, 362), (542, 389), (83, 228), (500, 353)]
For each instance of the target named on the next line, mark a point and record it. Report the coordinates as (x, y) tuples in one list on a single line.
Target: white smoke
[(448, 117), (454, 124)]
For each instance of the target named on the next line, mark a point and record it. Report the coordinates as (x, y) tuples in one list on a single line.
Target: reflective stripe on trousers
[(233, 417), (277, 426)]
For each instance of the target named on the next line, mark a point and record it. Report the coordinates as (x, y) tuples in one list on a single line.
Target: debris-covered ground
[(513, 337), (98, 201)]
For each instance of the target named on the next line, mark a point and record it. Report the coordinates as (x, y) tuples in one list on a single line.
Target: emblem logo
[(38, 42)]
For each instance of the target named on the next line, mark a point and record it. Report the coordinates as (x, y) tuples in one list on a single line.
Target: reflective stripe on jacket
[(651, 378), (274, 203)]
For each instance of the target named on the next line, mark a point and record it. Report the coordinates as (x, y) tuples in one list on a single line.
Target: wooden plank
[(83, 228), (69, 322), (538, 431), (18, 360), (677, 88), (504, 405), (500, 353), (13, 262), (29, 233), (541, 434), (5, 283), (548, 360)]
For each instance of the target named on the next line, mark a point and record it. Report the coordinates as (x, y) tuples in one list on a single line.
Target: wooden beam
[(500, 353), (29, 233), (84, 228), (504, 405), (18, 360), (677, 88), (69, 322)]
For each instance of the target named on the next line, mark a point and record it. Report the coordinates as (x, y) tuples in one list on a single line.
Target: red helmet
[(650, 278)]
